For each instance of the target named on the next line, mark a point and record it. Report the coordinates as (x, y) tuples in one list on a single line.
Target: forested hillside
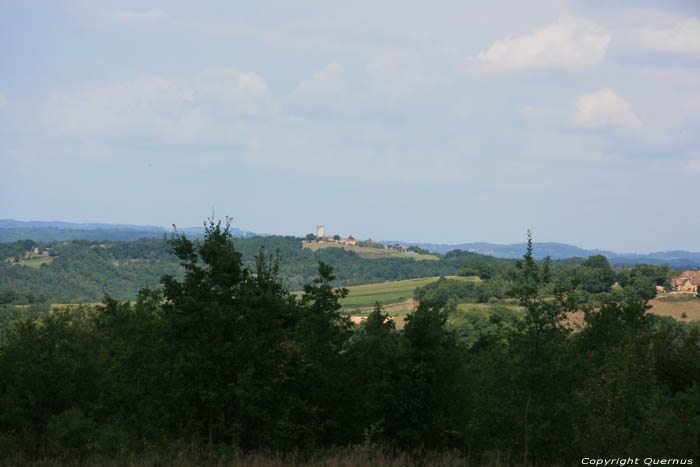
[(80, 270), (677, 259), (43, 231), (84, 271), (226, 361), (590, 282)]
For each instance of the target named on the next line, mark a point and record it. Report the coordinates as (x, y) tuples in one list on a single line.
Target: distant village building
[(688, 281), (348, 241), (320, 231)]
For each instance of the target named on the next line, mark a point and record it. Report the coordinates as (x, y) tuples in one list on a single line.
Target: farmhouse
[(348, 241), (688, 281)]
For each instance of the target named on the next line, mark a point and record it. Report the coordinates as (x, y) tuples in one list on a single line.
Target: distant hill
[(80, 270), (11, 223), (676, 259), (48, 231)]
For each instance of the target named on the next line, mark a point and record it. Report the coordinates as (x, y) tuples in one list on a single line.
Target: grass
[(395, 297), (675, 305), (467, 307), (362, 296), (368, 252), (36, 262), (346, 457)]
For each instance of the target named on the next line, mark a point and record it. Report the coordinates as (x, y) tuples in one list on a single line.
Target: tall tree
[(537, 340)]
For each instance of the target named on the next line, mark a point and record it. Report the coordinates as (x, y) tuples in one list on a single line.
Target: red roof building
[(687, 281)]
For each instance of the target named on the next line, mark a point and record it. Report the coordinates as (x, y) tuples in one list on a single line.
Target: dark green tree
[(536, 344)]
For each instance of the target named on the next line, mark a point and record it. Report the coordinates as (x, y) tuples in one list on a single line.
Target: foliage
[(222, 357), (84, 271), (371, 244)]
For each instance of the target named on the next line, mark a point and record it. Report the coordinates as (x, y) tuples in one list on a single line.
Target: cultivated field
[(395, 297), (681, 307), (34, 262), (368, 252), (37, 262), (675, 305), (365, 296), (467, 307)]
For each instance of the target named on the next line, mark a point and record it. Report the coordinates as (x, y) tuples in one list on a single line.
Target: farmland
[(682, 307), (30, 259), (368, 252), (397, 300), (468, 348), (36, 261), (365, 296)]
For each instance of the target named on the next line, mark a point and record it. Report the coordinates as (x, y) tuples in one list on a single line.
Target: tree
[(410, 380), (538, 339), (598, 275), (468, 270), (253, 365), (49, 372), (643, 286), (336, 237), (204, 325)]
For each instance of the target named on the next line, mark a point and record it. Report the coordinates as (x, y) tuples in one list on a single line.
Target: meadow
[(368, 252), (361, 297), (37, 261), (32, 261), (456, 377), (397, 301), (680, 306)]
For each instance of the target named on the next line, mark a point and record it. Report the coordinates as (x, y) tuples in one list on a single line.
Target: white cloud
[(174, 111), (3, 101), (692, 166), (397, 73), (568, 43), (570, 147), (603, 108), (326, 84), (683, 36), (140, 17), (114, 107), (239, 93)]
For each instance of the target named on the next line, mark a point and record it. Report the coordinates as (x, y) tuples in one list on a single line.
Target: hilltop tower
[(320, 231)]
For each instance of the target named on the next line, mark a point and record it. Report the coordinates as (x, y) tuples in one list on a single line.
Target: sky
[(443, 122)]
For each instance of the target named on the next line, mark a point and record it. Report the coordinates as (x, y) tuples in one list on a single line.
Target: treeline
[(591, 282), (51, 234), (226, 359), (83, 271)]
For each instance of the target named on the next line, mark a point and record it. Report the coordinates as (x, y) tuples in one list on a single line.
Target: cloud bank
[(604, 108), (568, 43)]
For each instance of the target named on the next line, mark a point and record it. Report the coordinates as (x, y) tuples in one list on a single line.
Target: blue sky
[(421, 121)]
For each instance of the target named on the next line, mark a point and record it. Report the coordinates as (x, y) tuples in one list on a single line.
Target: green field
[(368, 252), (362, 296), (36, 262), (477, 307)]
